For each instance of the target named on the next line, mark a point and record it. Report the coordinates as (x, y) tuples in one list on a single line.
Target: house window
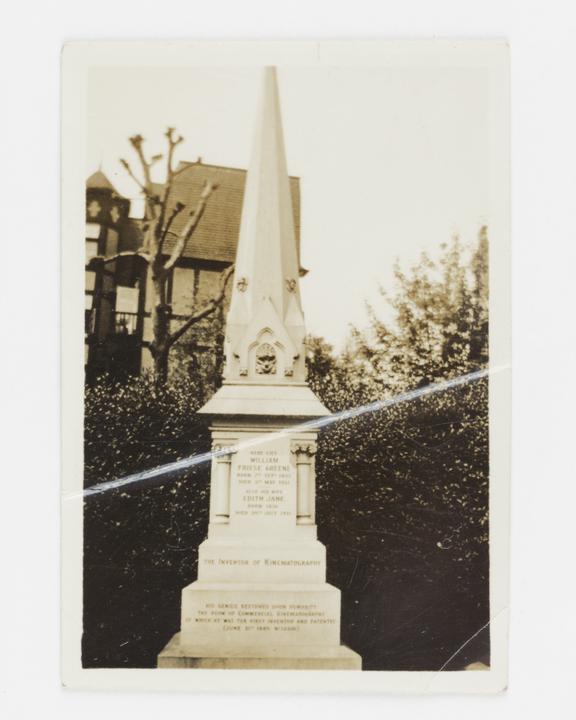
[(92, 231), (91, 250), (89, 314), (90, 280), (126, 315)]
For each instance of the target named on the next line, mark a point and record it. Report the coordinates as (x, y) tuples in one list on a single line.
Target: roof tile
[(216, 236)]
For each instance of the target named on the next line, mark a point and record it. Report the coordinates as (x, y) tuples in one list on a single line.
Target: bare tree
[(158, 221)]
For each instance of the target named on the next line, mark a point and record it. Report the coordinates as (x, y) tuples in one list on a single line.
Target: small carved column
[(305, 485), (221, 488)]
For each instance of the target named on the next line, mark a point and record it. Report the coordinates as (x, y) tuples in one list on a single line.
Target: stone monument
[(261, 599)]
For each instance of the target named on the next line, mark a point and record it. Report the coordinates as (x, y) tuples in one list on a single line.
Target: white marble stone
[(262, 482), (303, 657), (276, 561), (241, 617), (287, 400)]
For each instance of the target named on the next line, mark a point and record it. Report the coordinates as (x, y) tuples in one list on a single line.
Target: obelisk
[(261, 599)]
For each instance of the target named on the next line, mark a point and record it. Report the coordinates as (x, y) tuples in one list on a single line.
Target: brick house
[(118, 295)]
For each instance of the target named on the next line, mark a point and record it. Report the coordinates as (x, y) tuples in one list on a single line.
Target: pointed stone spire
[(265, 371), (265, 308), (267, 258)]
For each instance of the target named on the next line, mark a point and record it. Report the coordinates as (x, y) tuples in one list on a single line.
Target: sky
[(393, 161)]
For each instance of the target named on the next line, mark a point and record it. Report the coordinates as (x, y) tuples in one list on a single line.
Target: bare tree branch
[(177, 209), (208, 309), (186, 233), (161, 231), (105, 259), (153, 204), (185, 167), (126, 165), (137, 142), (173, 142)]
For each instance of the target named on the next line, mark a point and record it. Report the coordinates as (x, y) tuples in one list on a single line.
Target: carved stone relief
[(266, 359)]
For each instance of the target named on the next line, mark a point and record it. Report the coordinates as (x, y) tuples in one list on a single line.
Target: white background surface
[(542, 36), (81, 59)]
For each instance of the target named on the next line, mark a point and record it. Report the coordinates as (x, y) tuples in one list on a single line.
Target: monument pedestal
[(261, 599), (234, 616), (297, 657)]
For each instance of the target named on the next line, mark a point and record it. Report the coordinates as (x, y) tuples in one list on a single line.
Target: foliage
[(335, 379), (440, 323), (140, 539), (199, 356), (135, 425), (402, 506)]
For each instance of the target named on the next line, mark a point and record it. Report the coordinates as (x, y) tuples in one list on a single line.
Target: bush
[(140, 539), (402, 509), (402, 501)]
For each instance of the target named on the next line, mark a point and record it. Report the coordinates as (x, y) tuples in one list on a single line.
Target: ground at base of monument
[(300, 657)]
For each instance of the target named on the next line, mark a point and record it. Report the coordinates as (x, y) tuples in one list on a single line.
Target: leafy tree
[(440, 325), (199, 357)]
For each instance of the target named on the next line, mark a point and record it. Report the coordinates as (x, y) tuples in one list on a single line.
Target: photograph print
[(294, 398)]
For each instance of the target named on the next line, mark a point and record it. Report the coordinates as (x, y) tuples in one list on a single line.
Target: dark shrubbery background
[(402, 498), (402, 492)]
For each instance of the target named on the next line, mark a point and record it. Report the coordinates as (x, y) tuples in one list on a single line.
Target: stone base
[(237, 617), (298, 657)]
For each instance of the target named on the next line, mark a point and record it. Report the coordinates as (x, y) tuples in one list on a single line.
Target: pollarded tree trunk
[(161, 312), (160, 357)]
